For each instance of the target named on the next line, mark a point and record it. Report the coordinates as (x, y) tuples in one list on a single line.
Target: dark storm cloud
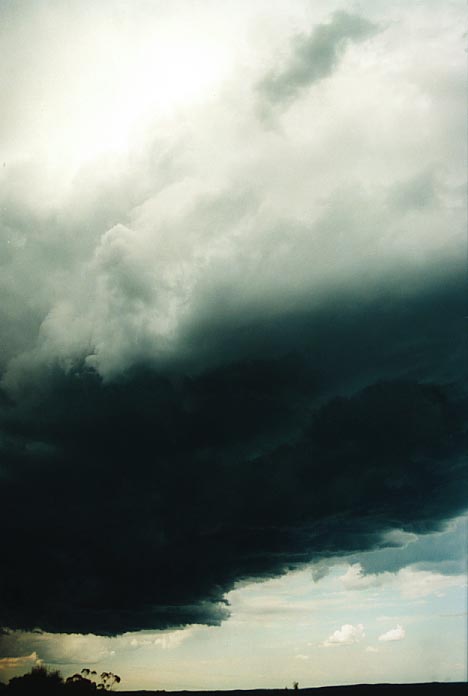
[(137, 502), (315, 56)]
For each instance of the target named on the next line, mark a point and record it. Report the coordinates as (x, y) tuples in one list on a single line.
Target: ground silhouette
[(424, 689), (41, 681)]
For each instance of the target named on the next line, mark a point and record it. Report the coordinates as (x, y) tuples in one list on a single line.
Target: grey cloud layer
[(218, 216), (146, 286)]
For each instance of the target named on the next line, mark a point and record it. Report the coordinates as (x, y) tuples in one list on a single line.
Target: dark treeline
[(41, 680)]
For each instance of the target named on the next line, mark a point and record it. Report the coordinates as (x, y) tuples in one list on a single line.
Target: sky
[(232, 356)]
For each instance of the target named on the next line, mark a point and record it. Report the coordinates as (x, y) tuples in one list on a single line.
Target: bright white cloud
[(346, 635), (397, 633)]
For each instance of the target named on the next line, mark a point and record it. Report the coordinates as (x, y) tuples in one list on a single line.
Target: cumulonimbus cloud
[(234, 354)]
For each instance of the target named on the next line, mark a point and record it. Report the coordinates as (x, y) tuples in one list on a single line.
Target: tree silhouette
[(78, 684), (39, 680), (108, 680)]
